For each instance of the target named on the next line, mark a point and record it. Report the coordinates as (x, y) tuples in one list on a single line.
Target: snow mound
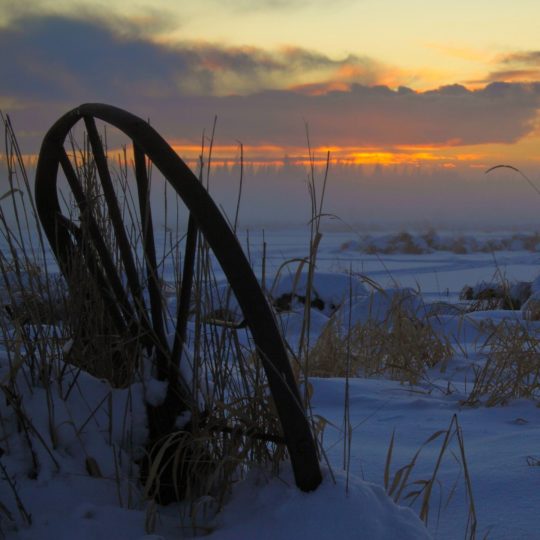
[(378, 306), (291, 323), (329, 290), (278, 510)]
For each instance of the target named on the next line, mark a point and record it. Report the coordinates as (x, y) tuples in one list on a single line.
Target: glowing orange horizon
[(433, 155)]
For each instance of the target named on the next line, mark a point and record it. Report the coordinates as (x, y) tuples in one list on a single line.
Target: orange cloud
[(318, 89)]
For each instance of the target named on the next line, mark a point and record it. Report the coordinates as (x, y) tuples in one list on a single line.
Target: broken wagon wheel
[(127, 305)]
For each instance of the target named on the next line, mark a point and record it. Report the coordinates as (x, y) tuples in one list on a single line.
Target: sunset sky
[(377, 81), (449, 85)]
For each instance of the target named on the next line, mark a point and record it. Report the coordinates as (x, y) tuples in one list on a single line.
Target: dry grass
[(497, 294), (401, 347), (405, 489), (511, 369), (233, 424)]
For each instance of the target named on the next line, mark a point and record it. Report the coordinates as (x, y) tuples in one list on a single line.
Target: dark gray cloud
[(517, 66), (56, 63), (523, 57), (514, 75), (145, 21), (376, 116), (53, 57)]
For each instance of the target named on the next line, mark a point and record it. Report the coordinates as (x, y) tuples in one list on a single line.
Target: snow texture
[(85, 485)]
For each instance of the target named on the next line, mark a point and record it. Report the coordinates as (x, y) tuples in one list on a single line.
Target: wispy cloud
[(53, 56), (523, 57), (260, 96), (461, 52), (143, 21), (244, 6), (520, 66)]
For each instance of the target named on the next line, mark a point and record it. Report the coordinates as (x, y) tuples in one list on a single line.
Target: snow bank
[(377, 307), (329, 290), (278, 510)]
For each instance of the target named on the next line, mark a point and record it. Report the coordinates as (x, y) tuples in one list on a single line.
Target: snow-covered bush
[(386, 334), (328, 290)]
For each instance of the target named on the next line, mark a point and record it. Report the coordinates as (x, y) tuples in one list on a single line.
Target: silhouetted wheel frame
[(204, 216)]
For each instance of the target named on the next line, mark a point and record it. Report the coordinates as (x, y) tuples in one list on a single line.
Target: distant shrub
[(418, 244)]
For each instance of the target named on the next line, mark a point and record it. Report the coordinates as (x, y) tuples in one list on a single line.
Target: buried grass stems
[(233, 401), (510, 368), (419, 492)]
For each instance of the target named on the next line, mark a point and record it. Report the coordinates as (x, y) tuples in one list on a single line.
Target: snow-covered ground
[(70, 498)]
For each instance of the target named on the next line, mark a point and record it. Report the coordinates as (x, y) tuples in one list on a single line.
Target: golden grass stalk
[(402, 487), (510, 370), (402, 347)]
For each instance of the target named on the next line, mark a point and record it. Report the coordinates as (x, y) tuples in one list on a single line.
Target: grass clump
[(511, 369), (498, 294), (412, 243), (401, 346)]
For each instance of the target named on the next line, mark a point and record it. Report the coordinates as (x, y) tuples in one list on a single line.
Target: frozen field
[(499, 455), (440, 273)]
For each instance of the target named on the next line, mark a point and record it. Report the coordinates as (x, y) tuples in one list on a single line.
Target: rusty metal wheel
[(125, 296)]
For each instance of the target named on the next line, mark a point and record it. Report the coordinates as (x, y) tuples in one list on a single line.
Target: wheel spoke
[(149, 249), (184, 302), (116, 217), (118, 295)]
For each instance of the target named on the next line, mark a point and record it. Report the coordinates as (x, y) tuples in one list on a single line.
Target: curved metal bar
[(209, 220)]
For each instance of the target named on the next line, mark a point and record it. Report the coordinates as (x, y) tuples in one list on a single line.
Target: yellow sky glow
[(477, 156), (420, 44)]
